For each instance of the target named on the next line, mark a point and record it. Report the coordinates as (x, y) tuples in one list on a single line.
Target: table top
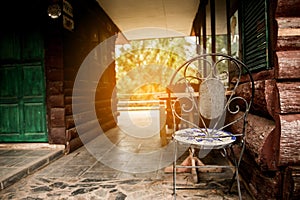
[(165, 96)]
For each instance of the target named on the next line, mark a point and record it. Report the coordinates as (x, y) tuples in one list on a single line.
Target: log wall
[(271, 163), (92, 26), (55, 83), (275, 145), (288, 80)]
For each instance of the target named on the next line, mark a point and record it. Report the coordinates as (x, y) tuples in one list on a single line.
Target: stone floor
[(18, 161), (82, 174)]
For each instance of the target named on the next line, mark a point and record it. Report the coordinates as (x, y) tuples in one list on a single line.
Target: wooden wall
[(271, 163), (92, 26), (55, 82), (288, 80), (65, 51), (288, 86)]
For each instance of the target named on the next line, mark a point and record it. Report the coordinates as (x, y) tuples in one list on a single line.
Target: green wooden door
[(22, 94)]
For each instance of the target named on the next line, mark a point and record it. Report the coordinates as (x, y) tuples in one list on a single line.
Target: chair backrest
[(213, 88)]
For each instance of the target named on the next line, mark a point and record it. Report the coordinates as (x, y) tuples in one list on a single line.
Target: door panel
[(33, 99), (9, 106), (22, 103), (22, 84), (33, 86), (34, 118), (9, 83), (9, 123), (22, 94), (31, 45), (9, 45)]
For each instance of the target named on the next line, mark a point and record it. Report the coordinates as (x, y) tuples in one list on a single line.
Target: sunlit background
[(144, 67)]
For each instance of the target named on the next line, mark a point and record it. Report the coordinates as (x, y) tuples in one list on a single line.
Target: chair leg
[(235, 175), (174, 169), (232, 181), (174, 180), (238, 184)]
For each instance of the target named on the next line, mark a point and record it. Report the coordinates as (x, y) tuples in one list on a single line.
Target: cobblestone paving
[(79, 176), (106, 189)]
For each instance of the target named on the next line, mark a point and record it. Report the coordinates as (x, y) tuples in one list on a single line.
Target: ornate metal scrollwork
[(210, 83)]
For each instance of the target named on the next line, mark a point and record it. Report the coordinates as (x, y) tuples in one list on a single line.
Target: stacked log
[(54, 86), (77, 46), (288, 84), (270, 165), (259, 165), (274, 123)]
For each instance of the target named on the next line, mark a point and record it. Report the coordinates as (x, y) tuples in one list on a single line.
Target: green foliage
[(145, 66)]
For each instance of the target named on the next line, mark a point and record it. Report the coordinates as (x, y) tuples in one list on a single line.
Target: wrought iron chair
[(212, 115)]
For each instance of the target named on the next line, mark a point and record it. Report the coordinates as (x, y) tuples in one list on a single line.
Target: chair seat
[(205, 138)]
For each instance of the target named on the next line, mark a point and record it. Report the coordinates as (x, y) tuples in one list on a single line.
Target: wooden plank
[(288, 22), (57, 135), (108, 125), (57, 117), (104, 118), (55, 87), (271, 95), (288, 65), (285, 43), (68, 100), (56, 100), (71, 134), (54, 75), (289, 95), (69, 110), (103, 103), (288, 8), (288, 26), (87, 136), (70, 122), (84, 124), (289, 140), (73, 145), (68, 91)]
